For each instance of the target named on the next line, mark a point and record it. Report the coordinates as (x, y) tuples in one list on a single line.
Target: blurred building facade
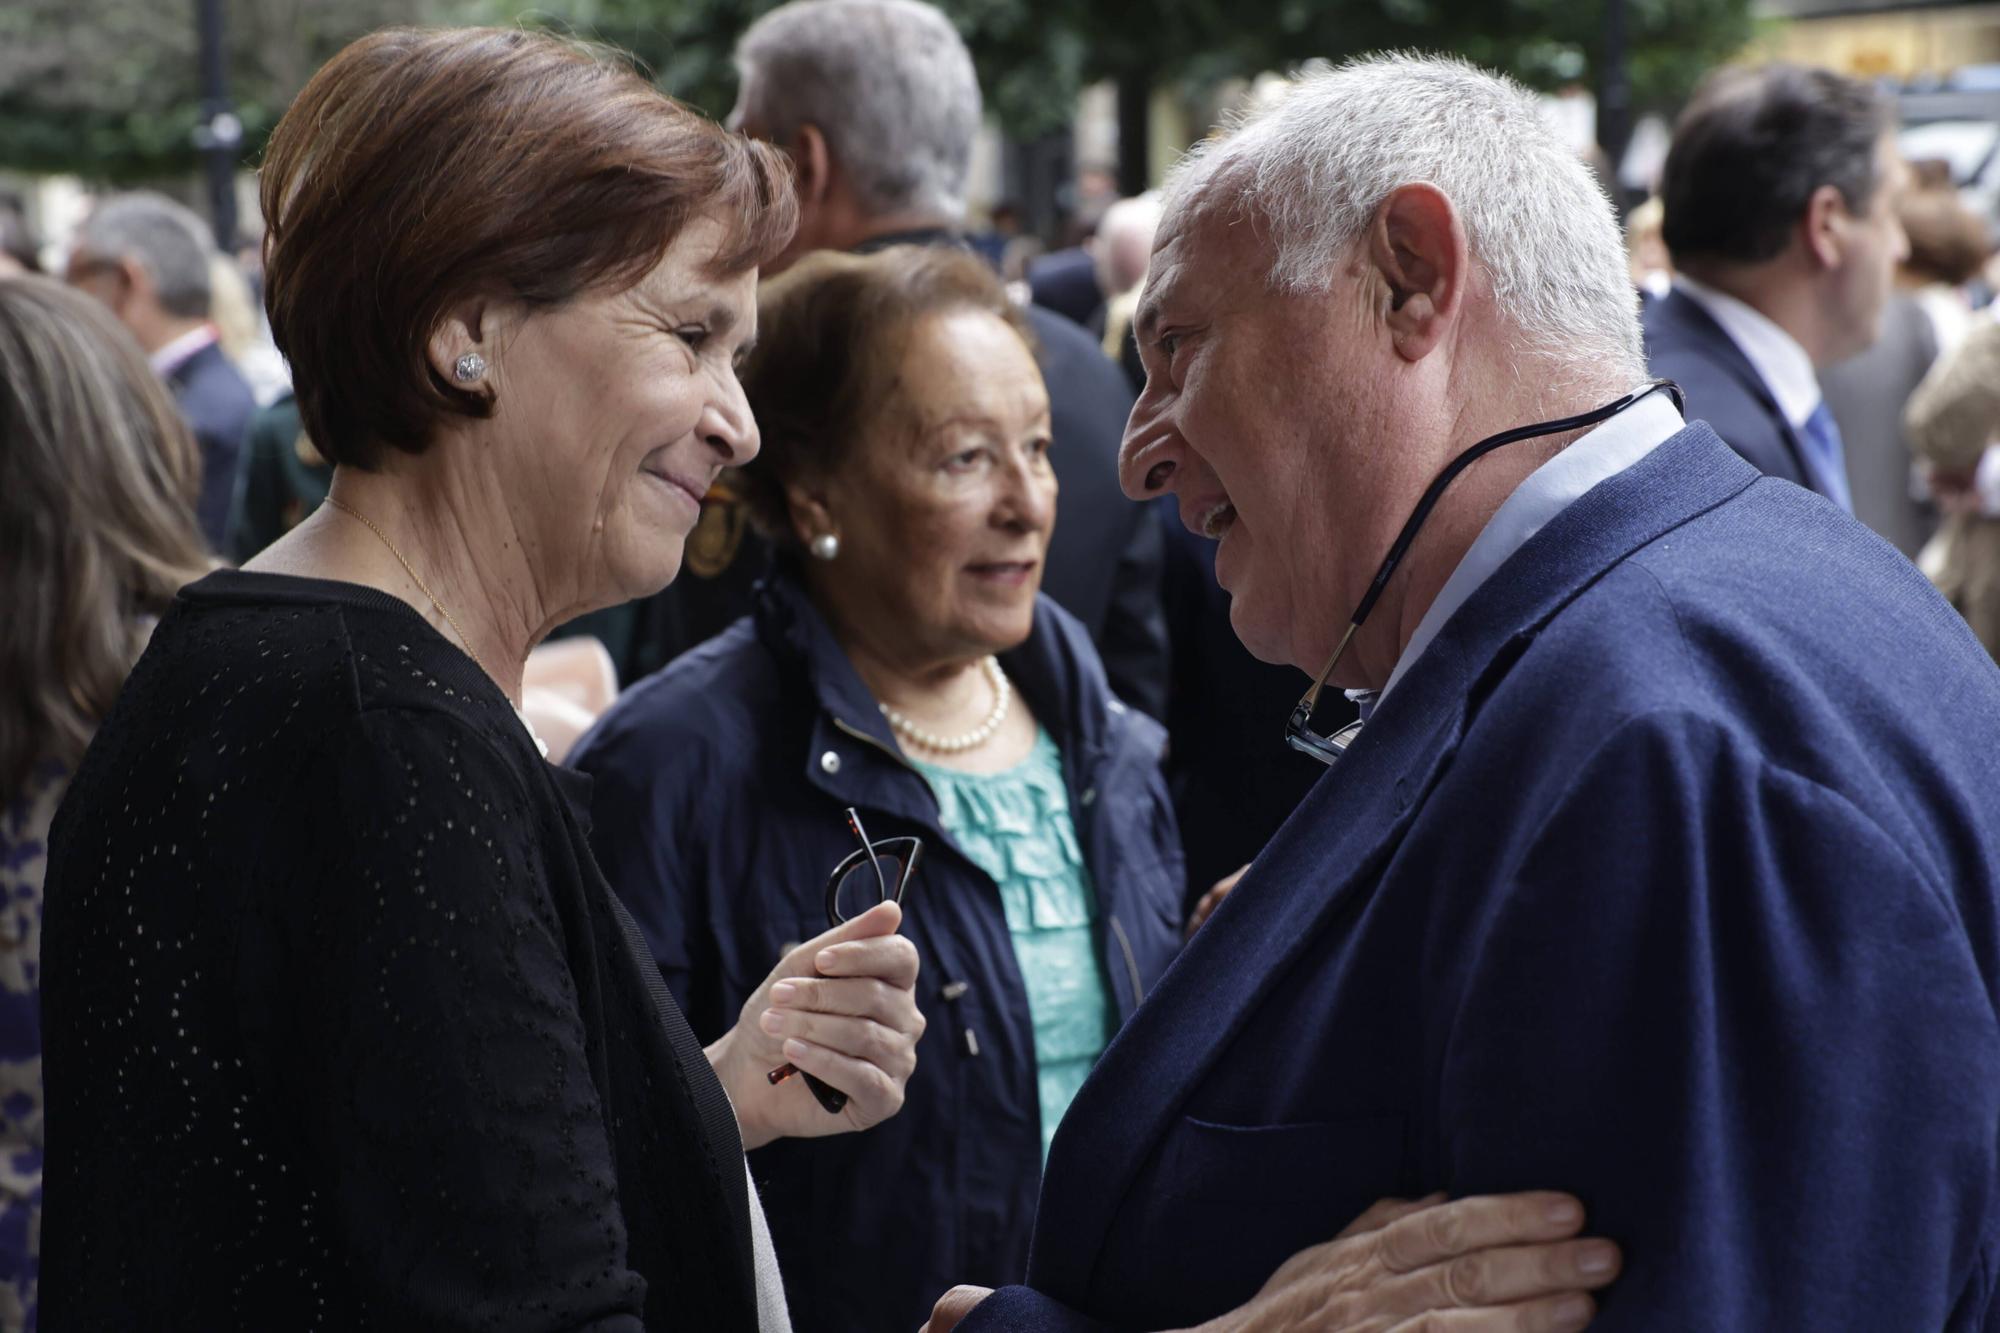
[(1908, 43)]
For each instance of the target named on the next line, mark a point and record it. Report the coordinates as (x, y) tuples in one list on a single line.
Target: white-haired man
[(1122, 248), (1662, 867), (878, 105)]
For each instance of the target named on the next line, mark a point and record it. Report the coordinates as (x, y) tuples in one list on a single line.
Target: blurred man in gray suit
[(147, 258)]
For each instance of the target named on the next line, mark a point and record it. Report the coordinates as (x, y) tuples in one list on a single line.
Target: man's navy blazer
[(1667, 875), (1685, 344), (217, 404)]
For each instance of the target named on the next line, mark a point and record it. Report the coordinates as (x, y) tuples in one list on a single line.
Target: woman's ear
[(1419, 253), (811, 515), (465, 333)]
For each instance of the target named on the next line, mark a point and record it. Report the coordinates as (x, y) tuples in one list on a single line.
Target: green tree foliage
[(1034, 55), (110, 87), (1544, 43)]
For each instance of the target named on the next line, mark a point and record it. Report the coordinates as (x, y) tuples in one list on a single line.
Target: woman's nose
[(1038, 499), (729, 428), (1029, 497)]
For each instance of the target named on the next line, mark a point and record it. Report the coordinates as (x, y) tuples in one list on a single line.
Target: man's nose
[(1149, 459)]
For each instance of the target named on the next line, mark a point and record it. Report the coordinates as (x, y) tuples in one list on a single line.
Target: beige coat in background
[(1952, 417)]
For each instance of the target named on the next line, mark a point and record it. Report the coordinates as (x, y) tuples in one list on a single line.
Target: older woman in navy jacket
[(900, 662)]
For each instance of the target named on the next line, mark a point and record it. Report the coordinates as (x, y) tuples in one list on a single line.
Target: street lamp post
[(1135, 106), (1614, 98), (220, 133)]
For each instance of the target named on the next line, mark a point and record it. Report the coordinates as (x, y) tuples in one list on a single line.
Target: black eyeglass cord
[(1297, 728), (1436, 491)]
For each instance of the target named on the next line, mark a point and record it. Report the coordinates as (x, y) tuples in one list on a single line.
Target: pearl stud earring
[(825, 546), (470, 367)]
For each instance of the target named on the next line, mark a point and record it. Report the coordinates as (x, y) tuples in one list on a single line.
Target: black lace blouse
[(343, 1028)]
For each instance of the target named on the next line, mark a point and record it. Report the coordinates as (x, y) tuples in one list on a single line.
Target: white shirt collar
[(169, 357), (1783, 365), (1551, 488)]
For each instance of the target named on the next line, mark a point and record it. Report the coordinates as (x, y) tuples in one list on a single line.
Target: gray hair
[(888, 82), (1125, 241), (1316, 163), (164, 237)]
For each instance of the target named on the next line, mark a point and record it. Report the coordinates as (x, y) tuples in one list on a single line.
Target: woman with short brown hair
[(336, 995)]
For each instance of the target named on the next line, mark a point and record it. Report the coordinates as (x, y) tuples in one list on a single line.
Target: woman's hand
[(842, 1007), (1498, 1264)]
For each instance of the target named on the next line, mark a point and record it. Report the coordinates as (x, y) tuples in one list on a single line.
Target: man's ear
[(812, 164), (135, 283), (1824, 227), (1418, 251), (466, 327)]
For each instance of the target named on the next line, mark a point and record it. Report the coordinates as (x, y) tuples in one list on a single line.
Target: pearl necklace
[(1002, 694)]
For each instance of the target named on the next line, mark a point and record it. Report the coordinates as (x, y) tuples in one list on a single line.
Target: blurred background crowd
[(129, 138), (130, 134)]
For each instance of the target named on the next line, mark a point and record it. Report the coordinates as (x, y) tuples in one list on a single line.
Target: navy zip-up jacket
[(720, 785)]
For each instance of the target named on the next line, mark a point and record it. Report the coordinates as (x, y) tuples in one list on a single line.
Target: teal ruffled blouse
[(1016, 826)]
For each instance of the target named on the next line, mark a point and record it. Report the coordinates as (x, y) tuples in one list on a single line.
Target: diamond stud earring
[(825, 546), (470, 367)]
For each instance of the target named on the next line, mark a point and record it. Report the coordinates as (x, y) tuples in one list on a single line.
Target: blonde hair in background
[(97, 527), (232, 308)]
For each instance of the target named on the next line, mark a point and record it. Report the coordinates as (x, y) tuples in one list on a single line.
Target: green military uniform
[(283, 479)]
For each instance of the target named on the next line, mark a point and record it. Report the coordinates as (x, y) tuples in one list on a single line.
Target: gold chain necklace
[(422, 587)]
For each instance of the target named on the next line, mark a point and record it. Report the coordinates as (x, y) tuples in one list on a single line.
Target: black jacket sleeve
[(444, 1061)]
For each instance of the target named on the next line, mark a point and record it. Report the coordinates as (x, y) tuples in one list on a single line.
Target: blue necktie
[(1827, 456)]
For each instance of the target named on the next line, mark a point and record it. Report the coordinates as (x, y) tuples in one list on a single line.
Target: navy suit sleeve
[(221, 453), (1133, 642), (1025, 1310), (218, 407), (645, 815), (1715, 1001)]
